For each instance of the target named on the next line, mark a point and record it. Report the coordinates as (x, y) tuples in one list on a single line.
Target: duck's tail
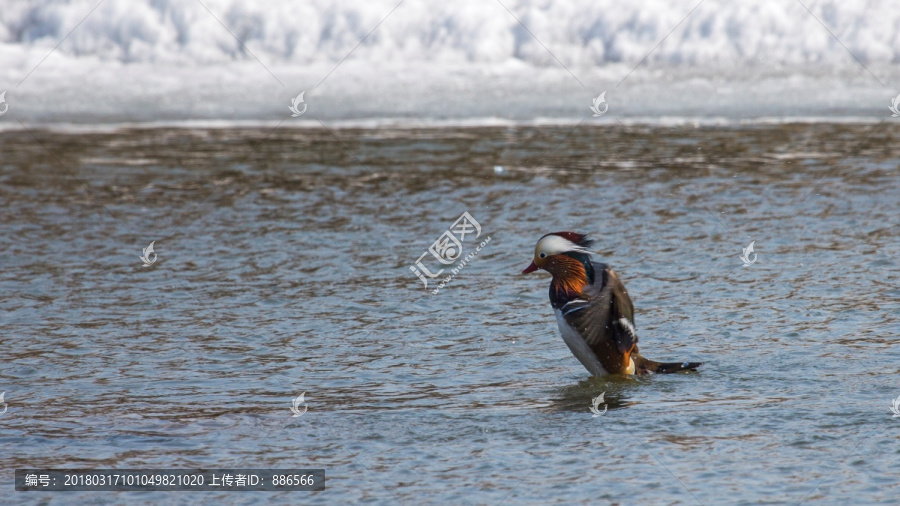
[(646, 366)]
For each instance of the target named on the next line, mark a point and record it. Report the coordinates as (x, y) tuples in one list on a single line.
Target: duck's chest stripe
[(574, 305)]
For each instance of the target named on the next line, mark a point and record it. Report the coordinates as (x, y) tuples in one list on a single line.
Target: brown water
[(283, 267)]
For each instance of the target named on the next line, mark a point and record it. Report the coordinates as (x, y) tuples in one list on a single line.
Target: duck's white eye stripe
[(554, 245)]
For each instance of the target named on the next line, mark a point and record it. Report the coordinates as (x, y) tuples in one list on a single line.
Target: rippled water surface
[(283, 267)]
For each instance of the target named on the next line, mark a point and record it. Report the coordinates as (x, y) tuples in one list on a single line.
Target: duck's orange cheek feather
[(569, 274)]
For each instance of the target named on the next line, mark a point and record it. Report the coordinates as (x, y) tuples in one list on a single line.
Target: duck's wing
[(605, 317)]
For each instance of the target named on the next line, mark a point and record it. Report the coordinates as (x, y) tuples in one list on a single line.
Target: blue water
[(283, 268)]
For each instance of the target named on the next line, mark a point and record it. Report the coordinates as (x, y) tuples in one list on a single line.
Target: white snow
[(460, 62)]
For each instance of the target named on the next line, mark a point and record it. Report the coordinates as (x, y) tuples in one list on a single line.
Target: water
[(283, 267)]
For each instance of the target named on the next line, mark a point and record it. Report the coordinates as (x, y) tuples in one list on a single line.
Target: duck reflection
[(584, 395)]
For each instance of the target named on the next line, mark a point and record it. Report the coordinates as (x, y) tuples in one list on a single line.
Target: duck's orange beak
[(530, 268)]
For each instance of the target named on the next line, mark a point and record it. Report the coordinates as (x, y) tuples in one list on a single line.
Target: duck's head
[(561, 254)]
